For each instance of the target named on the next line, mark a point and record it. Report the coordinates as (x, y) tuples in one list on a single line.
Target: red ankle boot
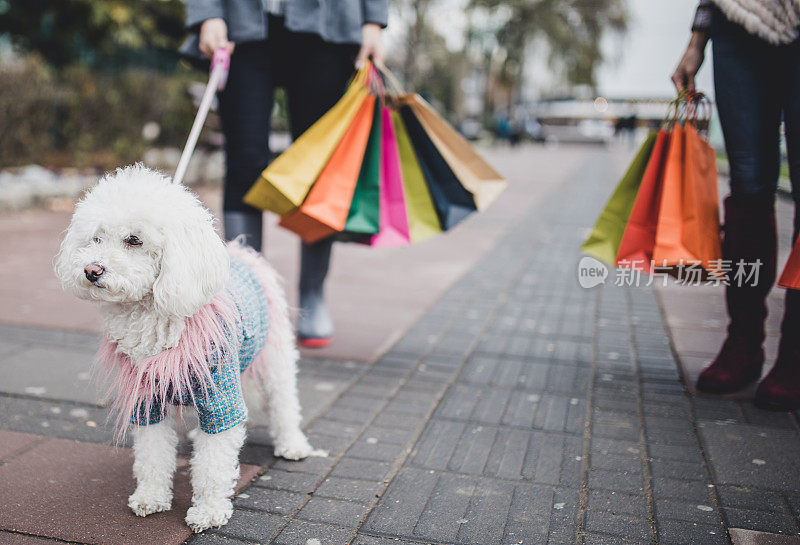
[(780, 389), (749, 235)]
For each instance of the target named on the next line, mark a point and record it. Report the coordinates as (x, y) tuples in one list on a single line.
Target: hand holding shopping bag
[(381, 168), (688, 229), (665, 210)]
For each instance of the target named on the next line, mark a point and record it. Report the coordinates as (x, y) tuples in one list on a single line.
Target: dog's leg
[(283, 409), (155, 457), (215, 470), (278, 368)]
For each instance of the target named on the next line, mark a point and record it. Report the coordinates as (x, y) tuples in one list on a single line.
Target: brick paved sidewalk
[(520, 409)]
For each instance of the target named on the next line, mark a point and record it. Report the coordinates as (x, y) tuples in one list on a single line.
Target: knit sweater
[(775, 21)]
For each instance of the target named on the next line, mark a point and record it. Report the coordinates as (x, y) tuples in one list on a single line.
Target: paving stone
[(446, 509), (277, 479), (350, 415), (630, 483), (300, 532), (375, 450), (335, 429), (681, 453), (355, 490), (689, 512), (38, 496), (631, 463), (591, 539), (210, 539), (793, 498), (618, 503), (31, 372), (615, 403), (779, 522), (754, 415), (754, 456), (693, 491), (678, 470), (747, 498), (269, 500), (259, 527), (394, 436), (337, 512), (13, 443), (740, 536), (400, 507), (622, 526), (675, 532), (257, 455), (607, 446), (671, 437), (369, 540), (400, 420), (487, 514), (361, 469), (315, 464)]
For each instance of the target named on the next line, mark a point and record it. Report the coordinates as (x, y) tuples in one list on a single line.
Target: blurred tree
[(572, 31), (94, 32)]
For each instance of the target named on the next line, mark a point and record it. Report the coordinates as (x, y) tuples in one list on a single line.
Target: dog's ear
[(194, 267), (63, 265)]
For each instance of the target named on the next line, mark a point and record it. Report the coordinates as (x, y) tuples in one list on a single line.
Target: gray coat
[(337, 21)]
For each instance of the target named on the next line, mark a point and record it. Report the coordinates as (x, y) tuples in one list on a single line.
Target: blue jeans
[(756, 85)]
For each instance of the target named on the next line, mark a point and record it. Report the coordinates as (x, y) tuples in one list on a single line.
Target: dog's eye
[(96, 240), (133, 240)]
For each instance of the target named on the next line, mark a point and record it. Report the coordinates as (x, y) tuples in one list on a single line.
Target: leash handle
[(220, 64)]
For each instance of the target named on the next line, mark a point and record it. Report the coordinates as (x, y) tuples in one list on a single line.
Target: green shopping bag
[(606, 236), (364, 216)]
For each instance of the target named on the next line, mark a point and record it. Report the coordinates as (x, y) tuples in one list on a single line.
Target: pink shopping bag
[(393, 217)]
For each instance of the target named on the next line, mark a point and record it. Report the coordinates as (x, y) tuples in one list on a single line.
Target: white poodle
[(185, 318)]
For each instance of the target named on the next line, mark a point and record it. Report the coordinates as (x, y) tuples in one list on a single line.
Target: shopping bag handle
[(220, 63)]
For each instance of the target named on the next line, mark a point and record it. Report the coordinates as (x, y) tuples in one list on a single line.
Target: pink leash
[(220, 64)]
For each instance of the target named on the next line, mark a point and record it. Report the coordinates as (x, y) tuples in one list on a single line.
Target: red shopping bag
[(639, 238), (790, 277)]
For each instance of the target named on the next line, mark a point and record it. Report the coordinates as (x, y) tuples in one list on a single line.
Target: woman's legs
[(746, 80), (245, 110), (316, 80), (780, 389)]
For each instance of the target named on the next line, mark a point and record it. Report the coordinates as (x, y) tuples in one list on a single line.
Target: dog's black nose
[(93, 272)]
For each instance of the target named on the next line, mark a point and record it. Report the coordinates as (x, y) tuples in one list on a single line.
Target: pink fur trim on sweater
[(172, 373)]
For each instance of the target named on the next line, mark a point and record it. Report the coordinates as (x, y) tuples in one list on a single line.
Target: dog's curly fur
[(149, 287)]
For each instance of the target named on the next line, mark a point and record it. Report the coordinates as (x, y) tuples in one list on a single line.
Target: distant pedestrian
[(309, 48), (757, 82)]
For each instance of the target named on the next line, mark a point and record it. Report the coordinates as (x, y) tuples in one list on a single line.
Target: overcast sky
[(657, 36), (638, 66)]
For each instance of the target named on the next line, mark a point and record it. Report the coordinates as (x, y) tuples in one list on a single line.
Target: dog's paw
[(297, 448), (209, 515), (143, 504)]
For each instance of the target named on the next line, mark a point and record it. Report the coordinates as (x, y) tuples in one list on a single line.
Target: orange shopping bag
[(285, 183), (639, 239), (325, 210), (701, 228), (687, 231), (790, 277)]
